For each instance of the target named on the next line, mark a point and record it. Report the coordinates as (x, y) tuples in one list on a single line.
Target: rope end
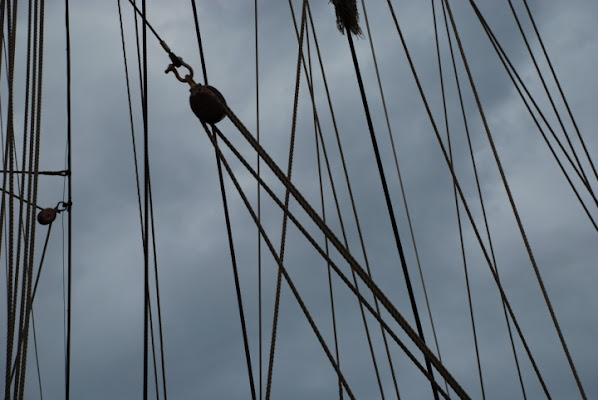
[(347, 16)]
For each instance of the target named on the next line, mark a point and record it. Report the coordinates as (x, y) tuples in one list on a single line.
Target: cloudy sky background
[(203, 343)]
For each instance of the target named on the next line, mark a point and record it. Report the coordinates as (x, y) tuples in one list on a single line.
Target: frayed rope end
[(347, 16)]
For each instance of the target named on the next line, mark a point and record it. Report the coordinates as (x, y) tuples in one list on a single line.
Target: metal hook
[(62, 206), (173, 68)]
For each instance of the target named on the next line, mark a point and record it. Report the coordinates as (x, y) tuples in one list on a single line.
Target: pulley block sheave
[(207, 103), (47, 216)]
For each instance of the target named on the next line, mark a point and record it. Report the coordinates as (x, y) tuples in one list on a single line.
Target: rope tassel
[(347, 16)]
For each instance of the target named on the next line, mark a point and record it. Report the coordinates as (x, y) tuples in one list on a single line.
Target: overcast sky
[(202, 335)]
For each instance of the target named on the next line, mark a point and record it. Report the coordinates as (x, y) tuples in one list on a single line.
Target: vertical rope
[(287, 197), (70, 202), (146, 304), (259, 202)]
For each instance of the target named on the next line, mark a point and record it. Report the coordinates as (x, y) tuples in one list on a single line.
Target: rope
[(515, 212), (558, 84), (228, 226), (146, 306), (70, 202), (389, 206), (199, 43), (9, 157), (39, 376), (35, 191), (235, 269), (467, 209), (158, 301), (259, 202), (309, 75), (550, 99), (279, 261), (457, 208), (338, 209), (286, 204), (348, 257), (515, 76), (479, 190), (145, 22)]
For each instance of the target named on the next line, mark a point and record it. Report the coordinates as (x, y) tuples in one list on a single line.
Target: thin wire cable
[(515, 78), (145, 22), (338, 209), (278, 259), (146, 305), (39, 376), (228, 224), (465, 205), (158, 300), (389, 206), (479, 191), (69, 202), (310, 77), (395, 314), (514, 208), (259, 202), (199, 43), (558, 84), (235, 270), (457, 207), (550, 99), (286, 202)]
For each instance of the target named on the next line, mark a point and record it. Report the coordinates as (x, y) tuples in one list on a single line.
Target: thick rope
[(34, 178), (286, 202), (9, 158), (349, 258), (278, 259)]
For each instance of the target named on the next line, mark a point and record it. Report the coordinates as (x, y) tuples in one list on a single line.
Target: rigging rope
[(277, 257), (479, 190), (235, 270), (389, 206), (228, 226), (309, 76), (558, 84), (286, 203), (70, 202), (337, 205), (346, 255), (457, 207), (513, 206), (259, 202), (516, 78)]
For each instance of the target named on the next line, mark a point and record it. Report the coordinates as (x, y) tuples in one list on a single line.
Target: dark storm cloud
[(204, 351)]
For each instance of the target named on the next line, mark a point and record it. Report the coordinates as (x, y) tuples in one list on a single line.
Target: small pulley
[(207, 102), (48, 215)]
